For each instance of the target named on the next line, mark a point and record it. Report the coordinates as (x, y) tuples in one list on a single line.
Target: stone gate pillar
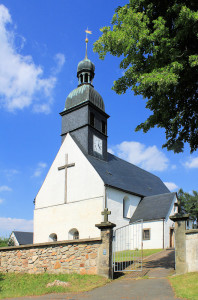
[(105, 251), (180, 242)]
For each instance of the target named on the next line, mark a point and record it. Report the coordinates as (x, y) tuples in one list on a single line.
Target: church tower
[(84, 179), (84, 115)]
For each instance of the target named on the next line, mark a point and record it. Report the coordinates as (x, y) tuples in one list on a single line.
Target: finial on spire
[(86, 40)]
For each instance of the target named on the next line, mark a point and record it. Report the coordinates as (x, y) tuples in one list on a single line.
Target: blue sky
[(41, 45)]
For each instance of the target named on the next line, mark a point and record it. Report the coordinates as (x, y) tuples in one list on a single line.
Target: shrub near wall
[(79, 256)]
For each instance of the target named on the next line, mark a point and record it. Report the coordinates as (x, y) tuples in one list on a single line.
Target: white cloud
[(1, 200), (21, 81), (10, 224), (192, 162), (5, 188), (148, 158), (173, 167), (9, 173), (60, 60), (39, 170), (171, 186), (110, 150)]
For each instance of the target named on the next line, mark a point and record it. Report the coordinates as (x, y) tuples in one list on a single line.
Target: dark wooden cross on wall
[(105, 213), (66, 166)]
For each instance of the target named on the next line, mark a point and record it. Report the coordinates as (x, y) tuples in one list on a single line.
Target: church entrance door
[(171, 237), (128, 248)]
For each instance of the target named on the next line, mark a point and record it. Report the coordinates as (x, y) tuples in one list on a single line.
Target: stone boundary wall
[(186, 245), (192, 250), (74, 256)]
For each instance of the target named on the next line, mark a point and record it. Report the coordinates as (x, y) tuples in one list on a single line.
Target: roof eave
[(147, 220), (123, 190)]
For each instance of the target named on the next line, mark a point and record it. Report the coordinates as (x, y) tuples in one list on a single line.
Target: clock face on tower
[(97, 144)]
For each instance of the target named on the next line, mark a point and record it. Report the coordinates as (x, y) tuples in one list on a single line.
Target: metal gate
[(127, 247)]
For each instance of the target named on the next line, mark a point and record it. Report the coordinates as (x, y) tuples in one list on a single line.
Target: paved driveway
[(155, 287)]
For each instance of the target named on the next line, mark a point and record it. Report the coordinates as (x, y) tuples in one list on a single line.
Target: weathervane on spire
[(86, 40)]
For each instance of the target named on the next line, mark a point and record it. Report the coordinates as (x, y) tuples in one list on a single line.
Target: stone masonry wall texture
[(192, 250), (76, 256)]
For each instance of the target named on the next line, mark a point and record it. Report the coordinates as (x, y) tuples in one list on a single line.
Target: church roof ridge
[(22, 231), (159, 195)]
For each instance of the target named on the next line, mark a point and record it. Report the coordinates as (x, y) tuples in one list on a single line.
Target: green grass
[(16, 285), (127, 255), (3, 242), (185, 286)]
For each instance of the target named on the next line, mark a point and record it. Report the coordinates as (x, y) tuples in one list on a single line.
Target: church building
[(84, 179)]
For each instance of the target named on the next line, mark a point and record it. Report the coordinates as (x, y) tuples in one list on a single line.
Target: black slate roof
[(123, 175), (153, 207), (23, 237)]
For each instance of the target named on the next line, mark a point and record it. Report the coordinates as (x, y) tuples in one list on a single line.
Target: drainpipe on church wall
[(163, 233)]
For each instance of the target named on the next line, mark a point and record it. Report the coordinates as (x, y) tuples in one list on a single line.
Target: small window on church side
[(53, 237), (126, 208), (104, 128), (175, 207), (73, 234), (146, 234), (92, 119), (76, 235)]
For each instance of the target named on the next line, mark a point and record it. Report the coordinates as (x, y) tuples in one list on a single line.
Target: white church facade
[(84, 179)]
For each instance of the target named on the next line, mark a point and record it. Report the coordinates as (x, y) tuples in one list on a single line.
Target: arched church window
[(86, 77), (104, 127), (92, 119), (126, 207), (73, 234), (81, 78), (53, 237)]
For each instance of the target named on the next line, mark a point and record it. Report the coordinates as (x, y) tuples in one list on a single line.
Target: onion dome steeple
[(85, 70), (84, 116), (85, 90)]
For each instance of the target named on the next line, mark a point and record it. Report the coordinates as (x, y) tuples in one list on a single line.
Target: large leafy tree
[(189, 203), (158, 42)]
